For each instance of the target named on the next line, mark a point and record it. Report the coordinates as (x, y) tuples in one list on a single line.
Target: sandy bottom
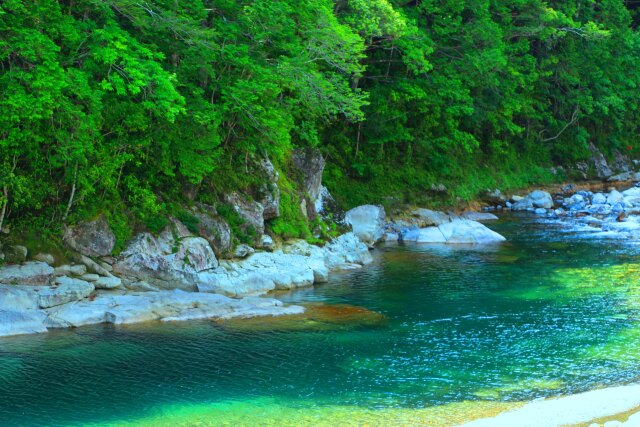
[(580, 409)]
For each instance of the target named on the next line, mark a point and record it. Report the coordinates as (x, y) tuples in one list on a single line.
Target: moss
[(291, 223)]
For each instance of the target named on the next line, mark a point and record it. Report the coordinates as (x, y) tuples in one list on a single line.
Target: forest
[(137, 108)]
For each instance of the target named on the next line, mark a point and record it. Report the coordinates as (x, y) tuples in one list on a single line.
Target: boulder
[(29, 273), (243, 251), (167, 262), (428, 217), (92, 266), (269, 194), (44, 257), (425, 235), (367, 223), (92, 238), (107, 283), (599, 163), (15, 254), (346, 251), (479, 216), (21, 322), (599, 199), (310, 163), (614, 197), (523, 204), (18, 298), (70, 270), (214, 229), (493, 197), (541, 199), (267, 243), (465, 231), (250, 211), (68, 290)]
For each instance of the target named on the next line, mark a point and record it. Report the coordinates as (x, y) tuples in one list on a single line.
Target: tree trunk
[(73, 194)]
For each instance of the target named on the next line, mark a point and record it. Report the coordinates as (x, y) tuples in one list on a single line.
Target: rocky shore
[(176, 275)]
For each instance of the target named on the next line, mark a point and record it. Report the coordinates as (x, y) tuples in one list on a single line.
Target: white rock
[(367, 223), (479, 216), (29, 273), (541, 199), (21, 322), (599, 199), (425, 235), (428, 217), (462, 231), (614, 197), (346, 251), (68, 290), (107, 283), (71, 270), (18, 298), (89, 277)]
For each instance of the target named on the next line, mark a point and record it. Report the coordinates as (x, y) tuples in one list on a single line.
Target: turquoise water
[(550, 312)]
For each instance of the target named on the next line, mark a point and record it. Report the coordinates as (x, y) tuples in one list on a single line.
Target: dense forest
[(136, 108)]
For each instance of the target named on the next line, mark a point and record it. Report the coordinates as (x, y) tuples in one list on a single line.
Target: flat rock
[(479, 216), (29, 273), (68, 290), (462, 231), (21, 322), (108, 283), (70, 270)]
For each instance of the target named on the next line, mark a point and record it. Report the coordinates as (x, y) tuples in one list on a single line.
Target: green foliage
[(142, 105), (240, 232)]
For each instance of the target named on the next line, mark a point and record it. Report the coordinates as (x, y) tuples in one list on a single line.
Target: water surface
[(469, 331)]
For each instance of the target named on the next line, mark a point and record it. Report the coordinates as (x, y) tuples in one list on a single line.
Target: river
[(468, 331)]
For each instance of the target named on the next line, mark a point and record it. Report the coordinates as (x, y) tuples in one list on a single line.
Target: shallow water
[(469, 331)]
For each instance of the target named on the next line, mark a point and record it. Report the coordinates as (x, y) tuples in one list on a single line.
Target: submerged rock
[(164, 305), (315, 317)]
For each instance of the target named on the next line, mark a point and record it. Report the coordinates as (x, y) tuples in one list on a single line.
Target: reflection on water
[(467, 331)]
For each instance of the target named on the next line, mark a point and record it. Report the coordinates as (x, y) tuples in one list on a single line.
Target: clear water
[(551, 312)]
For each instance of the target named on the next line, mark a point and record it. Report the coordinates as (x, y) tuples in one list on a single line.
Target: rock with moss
[(15, 254), (214, 229), (91, 238), (251, 213), (269, 193), (167, 261)]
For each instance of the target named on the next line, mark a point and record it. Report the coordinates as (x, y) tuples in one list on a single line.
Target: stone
[(243, 250), (68, 290), (29, 273), (367, 223), (267, 243), (346, 251), (599, 199), (44, 257), (598, 162), (522, 205), (163, 305), (269, 194), (166, 262), (250, 211), (614, 197), (425, 235), (15, 254), (541, 199), (21, 322), (463, 231), (214, 229), (18, 298), (70, 270), (108, 283), (540, 211), (493, 197), (310, 163), (428, 217), (89, 277), (91, 238), (141, 287), (479, 216), (92, 266)]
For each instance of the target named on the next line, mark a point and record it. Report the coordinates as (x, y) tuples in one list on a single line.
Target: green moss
[(292, 223)]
